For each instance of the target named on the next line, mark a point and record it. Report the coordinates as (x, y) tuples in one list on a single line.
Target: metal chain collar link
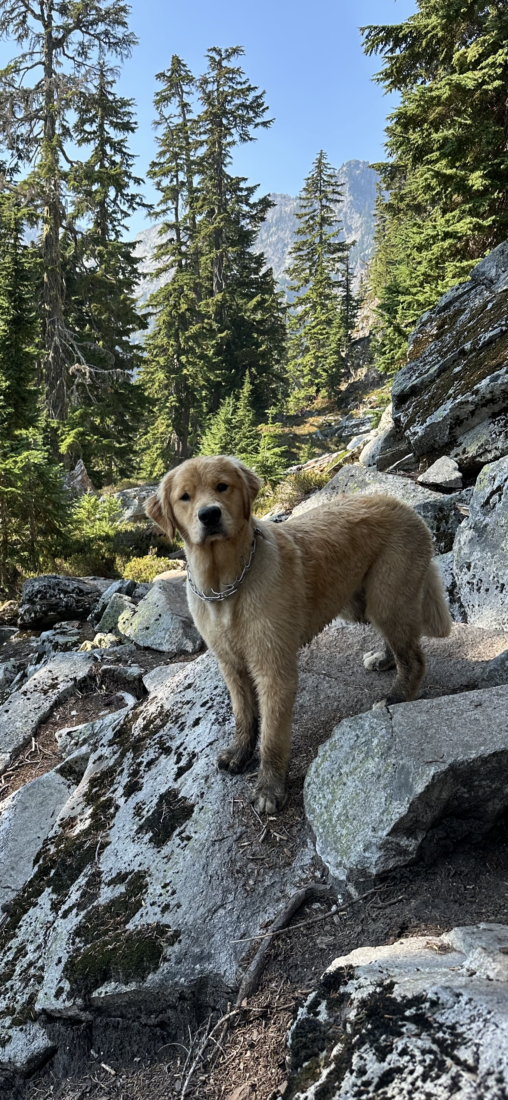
[(229, 589)]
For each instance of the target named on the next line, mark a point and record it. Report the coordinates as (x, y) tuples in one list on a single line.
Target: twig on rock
[(204, 1043), (250, 980), (268, 935)]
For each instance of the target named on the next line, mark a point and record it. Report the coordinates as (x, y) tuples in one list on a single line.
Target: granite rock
[(494, 672), (162, 621), (408, 781), (143, 901), (26, 818), (125, 588), (423, 1017), (26, 708), (480, 551), (445, 562), (452, 396), (8, 672), (132, 502), (161, 674), (52, 599), (443, 474), (118, 604)]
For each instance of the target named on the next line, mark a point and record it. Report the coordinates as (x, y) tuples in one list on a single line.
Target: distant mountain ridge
[(276, 235)]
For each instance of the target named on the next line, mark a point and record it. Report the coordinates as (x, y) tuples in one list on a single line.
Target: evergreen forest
[(219, 360)]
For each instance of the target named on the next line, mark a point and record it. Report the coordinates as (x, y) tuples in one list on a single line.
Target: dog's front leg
[(245, 709), (276, 692)]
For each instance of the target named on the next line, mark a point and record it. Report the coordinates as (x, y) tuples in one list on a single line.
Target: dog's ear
[(251, 486), (159, 509)]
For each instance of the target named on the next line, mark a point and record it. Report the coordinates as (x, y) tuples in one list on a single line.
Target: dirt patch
[(43, 755)]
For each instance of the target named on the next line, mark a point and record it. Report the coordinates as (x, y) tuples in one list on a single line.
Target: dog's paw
[(377, 661), (268, 799), (371, 660), (234, 759)]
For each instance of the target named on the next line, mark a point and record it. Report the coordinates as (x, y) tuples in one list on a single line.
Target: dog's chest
[(213, 620)]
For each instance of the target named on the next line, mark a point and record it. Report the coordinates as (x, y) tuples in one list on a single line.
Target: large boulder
[(117, 605), (124, 588), (152, 880), (480, 552), (162, 621), (26, 818), (77, 481), (441, 513), (452, 397), (132, 502), (443, 474), (423, 1017), (398, 784), (29, 706), (52, 599), (445, 563), (156, 872)]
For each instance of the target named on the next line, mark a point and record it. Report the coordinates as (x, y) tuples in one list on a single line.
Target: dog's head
[(205, 498)]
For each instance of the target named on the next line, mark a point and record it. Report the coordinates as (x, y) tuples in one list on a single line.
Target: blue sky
[(306, 55)]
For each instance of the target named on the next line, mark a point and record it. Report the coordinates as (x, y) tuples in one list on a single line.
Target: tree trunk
[(4, 538), (55, 368)]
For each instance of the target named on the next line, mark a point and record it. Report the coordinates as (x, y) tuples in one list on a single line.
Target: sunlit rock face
[(452, 397)]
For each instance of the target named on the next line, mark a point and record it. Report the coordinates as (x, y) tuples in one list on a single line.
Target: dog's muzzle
[(211, 518)]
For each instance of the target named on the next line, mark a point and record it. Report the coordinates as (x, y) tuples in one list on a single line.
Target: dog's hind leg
[(379, 660), (245, 709), (410, 664)]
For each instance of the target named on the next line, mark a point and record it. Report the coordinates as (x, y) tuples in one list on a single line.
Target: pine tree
[(232, 430), (20, 276), (271, 460), (247, 438), (174, 374), (32, 500), (219, 437), (447, 173), (316, 273), (101, 275), (60, 44), (240, 302), (390, 282), (350, 304), (219, 315)]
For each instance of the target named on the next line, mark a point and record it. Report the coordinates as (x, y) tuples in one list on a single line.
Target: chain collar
[(229, 589)]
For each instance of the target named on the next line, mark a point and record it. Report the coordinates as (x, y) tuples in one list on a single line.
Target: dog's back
[(370, 558)]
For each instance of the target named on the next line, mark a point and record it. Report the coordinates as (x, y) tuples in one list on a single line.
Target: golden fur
[(367, 558)]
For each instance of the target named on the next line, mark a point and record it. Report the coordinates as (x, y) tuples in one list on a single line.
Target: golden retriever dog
[(258, 591)]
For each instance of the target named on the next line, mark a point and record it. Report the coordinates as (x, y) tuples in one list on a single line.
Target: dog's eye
[(185, 496), (221, 488)]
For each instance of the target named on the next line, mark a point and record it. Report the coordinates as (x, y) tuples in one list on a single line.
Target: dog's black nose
[(210, 516)]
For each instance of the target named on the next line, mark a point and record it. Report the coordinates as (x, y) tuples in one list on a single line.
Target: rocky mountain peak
[(276, 236)]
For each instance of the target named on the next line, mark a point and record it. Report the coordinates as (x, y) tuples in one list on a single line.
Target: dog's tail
[(437, 621)]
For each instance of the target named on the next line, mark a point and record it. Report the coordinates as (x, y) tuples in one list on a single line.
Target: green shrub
[(145, 569), (295, 488)]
